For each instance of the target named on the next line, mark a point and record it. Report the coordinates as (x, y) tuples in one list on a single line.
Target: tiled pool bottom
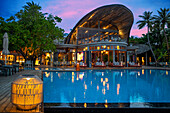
[(107, 89)]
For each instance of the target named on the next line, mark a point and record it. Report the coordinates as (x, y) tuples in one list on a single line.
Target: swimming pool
[(107, 86)]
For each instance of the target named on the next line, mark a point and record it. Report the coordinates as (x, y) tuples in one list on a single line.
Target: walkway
[(5, 92)]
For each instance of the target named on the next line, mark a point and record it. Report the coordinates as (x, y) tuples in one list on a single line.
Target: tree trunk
[(151, 46), (166, 43), (166, 40)]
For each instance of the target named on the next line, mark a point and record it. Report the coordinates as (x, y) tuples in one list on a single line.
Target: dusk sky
[(71, 11)]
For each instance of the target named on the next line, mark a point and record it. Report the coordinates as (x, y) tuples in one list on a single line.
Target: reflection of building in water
[(111, 87)]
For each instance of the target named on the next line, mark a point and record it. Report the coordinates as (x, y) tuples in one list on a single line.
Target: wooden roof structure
[(113, 17)]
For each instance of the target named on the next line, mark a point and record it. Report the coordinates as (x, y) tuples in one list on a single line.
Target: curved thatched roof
[(114, 17), (142, 48)]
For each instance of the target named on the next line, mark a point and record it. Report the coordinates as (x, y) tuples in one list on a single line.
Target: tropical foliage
[(31, 32), (158, 33)]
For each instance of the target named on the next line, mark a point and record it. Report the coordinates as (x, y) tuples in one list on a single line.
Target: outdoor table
[(9, 67)]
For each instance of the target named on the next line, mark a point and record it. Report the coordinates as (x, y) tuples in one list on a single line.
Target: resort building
[(102, 36)]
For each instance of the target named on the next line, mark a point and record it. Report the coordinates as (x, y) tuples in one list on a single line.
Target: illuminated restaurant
[(100, 35)]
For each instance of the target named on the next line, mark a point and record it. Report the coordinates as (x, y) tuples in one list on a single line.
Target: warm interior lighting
[(108, 47), (118, 47), (83, 24), (107, 52), (98, 48), (27, 91), (80, 56)]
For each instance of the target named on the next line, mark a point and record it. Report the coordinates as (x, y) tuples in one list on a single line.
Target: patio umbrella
[(5, 50)]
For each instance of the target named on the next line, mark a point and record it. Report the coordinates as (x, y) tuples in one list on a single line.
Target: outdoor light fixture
[(27, 92)]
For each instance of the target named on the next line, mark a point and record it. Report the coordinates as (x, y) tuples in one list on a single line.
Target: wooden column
[(113, 55), (108, 57)]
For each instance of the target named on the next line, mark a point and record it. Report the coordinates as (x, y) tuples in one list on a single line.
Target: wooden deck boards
[(5, 93)]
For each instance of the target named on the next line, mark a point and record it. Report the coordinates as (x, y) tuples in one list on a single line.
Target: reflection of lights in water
[(85, 86), (150, 72), (81, 75), (84, 94), (104, 91), (138, 73), (59, 75), (118, 87), (106, 79), (104, 83), (74, 99), (101, 79), (47, 74), (77, 78), (106, 101), (121, 74), (52, 77), (72, 79), (97, 87), (85, 105), (107, 86), (166, 72), (91, 82), (142, 71), (72, 73), (102, 73)]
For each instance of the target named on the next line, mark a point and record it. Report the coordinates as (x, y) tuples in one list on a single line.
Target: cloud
[(138, 33)]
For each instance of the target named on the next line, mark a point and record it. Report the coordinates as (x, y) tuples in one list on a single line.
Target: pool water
[(107, 86)]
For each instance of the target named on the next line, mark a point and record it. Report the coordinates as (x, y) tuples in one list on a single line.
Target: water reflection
[(107, 86)]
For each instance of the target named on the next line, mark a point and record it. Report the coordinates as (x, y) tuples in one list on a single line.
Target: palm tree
[(147, 20), (164, 18)]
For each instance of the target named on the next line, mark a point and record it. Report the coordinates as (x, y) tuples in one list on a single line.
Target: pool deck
[(5, 93)]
